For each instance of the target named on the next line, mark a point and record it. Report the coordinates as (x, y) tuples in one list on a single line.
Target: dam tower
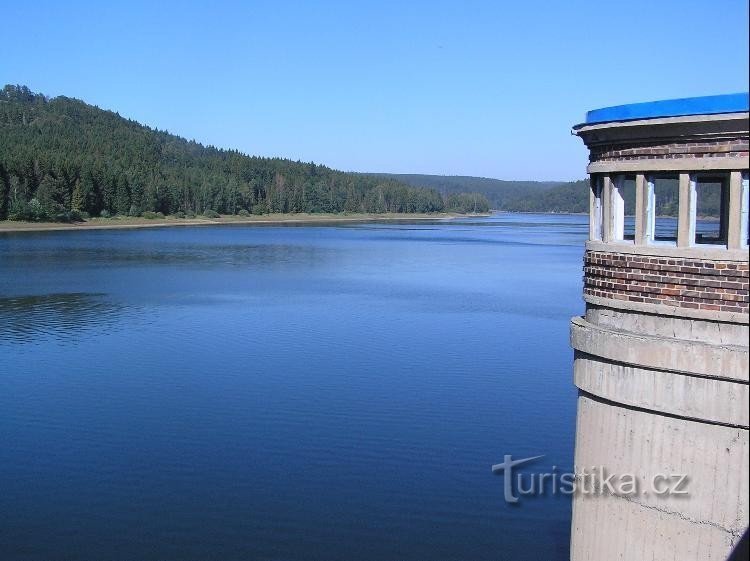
[(661, 353)]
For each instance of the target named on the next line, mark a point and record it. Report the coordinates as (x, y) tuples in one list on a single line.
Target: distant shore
[(119, 223)]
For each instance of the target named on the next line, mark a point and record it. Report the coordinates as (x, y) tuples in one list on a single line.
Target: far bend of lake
[(286, 393)]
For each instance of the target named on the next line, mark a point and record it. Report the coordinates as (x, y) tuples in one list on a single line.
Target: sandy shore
[(133, 223)]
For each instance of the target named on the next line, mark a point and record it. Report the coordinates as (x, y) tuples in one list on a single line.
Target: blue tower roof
[(707, 105)]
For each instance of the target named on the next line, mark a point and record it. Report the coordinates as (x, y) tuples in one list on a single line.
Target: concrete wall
[(703, 526), (661, 394)]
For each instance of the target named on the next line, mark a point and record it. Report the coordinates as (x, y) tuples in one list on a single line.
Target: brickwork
[(662, 150), (680, 282)]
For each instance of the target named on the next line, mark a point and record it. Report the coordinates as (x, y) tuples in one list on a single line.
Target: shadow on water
[(29, 319)]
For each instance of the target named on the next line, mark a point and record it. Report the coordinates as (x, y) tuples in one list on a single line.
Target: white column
[(686, 220), (745, 214), (595, 208), (607, 208), (739, 188), (649, 227), (618, 209)]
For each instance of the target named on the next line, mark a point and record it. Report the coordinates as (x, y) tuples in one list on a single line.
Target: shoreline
[(134, 223)]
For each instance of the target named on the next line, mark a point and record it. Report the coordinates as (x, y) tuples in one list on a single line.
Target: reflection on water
[(30, 319)]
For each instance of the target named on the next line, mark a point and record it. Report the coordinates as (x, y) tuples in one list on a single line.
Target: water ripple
[(63, 316)]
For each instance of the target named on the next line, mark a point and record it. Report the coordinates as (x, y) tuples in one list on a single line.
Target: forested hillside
[(509, 196), (569, 197), (573, 197), (497, 191), (62, 158), (558, 196)]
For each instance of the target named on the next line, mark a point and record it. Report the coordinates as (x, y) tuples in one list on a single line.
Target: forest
[(499, 192), (62, 159), (565, 197), (573, 197)]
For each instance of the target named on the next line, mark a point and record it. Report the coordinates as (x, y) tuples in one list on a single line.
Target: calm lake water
[(286, 393)]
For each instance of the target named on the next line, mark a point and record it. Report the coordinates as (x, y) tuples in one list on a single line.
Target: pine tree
[(78, 199), (122, 197)]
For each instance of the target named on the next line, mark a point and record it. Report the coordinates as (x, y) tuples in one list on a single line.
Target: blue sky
[(465, 88)]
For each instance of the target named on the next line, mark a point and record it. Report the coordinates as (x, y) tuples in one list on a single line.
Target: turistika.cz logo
[(594, 480)]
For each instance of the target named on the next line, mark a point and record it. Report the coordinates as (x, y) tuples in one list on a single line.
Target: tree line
[(573, 197), (62, 159), (565, 197), (497, 191)]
